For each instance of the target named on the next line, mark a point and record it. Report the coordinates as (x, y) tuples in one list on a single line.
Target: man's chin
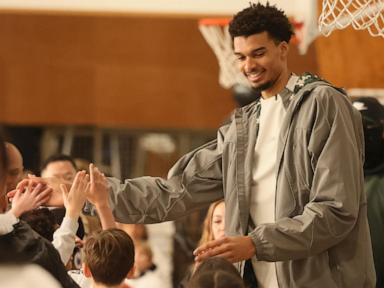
[(261, 86)]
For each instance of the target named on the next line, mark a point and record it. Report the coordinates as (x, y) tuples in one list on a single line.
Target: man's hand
[(29, 199), (74, 199), (234, 249), (98, 193)]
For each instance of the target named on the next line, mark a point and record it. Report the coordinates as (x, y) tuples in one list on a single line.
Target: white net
[(361, 14), (219, 39)]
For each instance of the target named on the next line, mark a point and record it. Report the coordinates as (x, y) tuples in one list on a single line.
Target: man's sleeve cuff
[(264, 249)]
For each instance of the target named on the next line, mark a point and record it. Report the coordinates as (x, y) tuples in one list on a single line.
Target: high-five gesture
[(74, 199), (98, 195)]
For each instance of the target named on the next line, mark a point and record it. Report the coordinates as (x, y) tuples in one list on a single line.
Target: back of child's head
[(109, 255), (214, 273), (42, 221)]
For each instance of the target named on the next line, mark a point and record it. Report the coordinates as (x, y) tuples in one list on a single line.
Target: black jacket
[(23, 245)]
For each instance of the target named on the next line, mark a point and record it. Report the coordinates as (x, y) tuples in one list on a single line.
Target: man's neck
[(278, 86)]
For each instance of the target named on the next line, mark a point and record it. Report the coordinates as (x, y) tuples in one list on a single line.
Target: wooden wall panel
[(112, 70), (351, 59)]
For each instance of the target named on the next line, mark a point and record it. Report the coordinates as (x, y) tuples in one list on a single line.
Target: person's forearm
[(106, 217), (64, 238)]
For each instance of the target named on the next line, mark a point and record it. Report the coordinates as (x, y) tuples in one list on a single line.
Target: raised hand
[(74, 199), (29, 198), (55, 198), (98, 195), (30, 182)]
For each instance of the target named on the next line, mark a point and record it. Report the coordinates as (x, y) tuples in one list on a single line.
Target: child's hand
[(54, 200), (31, 198), (74, 199), (98, 193)]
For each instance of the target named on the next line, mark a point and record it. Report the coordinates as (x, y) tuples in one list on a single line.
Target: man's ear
[(131, 272), (284, 48), (87, 272)]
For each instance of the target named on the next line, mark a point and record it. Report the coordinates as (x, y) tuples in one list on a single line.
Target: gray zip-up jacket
[(320, 237)]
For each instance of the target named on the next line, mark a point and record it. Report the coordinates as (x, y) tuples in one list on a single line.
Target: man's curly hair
[(259, 18)]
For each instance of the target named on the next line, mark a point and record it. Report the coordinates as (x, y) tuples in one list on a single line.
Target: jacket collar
[(288, 92)]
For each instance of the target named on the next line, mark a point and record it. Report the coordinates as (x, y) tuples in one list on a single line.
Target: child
[(108, 258), (108, 255)]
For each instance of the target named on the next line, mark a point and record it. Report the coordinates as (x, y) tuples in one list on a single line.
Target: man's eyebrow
[(253, 51), (258, 49)]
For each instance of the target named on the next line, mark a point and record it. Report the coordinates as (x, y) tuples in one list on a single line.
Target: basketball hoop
[(215, 32), (361, 14)]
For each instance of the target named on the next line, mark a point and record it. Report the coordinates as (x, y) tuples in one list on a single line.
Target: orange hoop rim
[(214, 21)]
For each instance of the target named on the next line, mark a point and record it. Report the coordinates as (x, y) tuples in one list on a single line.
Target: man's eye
[(258, 54)]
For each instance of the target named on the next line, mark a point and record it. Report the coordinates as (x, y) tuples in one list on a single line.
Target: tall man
[(288, 165)]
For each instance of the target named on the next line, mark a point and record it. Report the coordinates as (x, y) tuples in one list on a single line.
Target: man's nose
[(249, 64)]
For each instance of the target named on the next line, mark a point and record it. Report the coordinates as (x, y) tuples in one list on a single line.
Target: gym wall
[(139, 71)]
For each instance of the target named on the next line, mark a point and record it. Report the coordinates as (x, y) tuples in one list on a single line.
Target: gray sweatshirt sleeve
[(193, 182)]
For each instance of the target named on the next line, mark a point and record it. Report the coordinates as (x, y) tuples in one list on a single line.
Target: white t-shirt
[(262, 201)]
